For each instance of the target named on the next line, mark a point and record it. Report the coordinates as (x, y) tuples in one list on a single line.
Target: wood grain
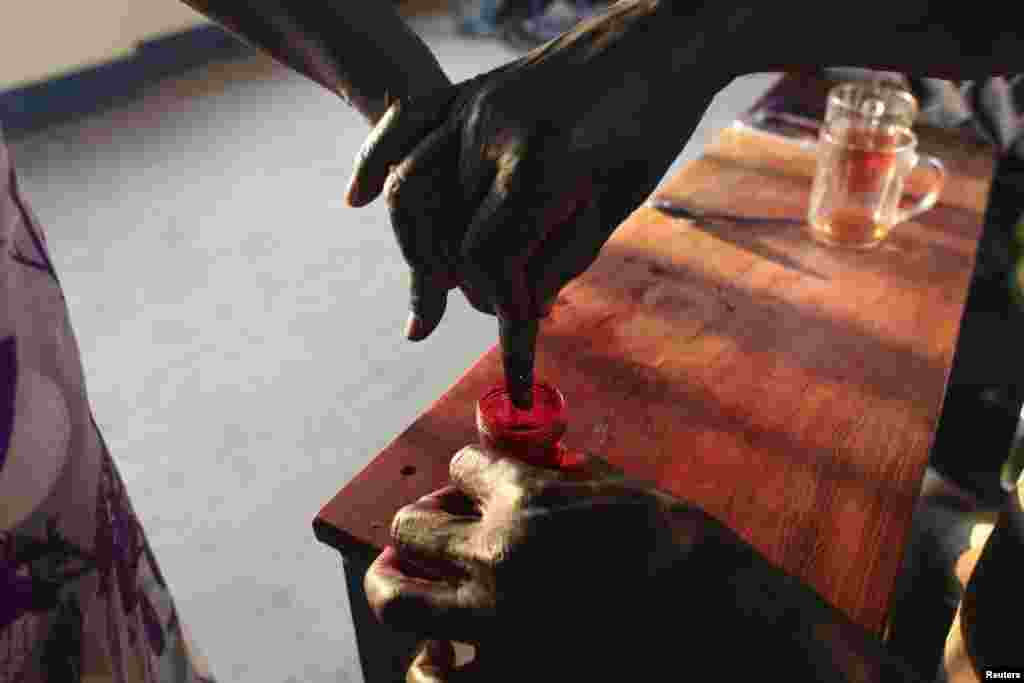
[(790, 389)]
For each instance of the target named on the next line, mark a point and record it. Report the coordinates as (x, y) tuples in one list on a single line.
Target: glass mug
[(866, 150)]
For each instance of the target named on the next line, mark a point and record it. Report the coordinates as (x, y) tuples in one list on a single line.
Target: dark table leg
[(384, 654)]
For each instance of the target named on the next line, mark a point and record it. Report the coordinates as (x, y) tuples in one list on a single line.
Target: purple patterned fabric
[(81, 595)]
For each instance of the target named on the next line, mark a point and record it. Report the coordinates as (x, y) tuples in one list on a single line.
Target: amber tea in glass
[(866, 151)]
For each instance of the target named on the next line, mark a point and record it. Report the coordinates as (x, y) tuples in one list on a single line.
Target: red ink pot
[(533, 436)]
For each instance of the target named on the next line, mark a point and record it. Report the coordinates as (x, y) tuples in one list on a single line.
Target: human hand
[(508, 185), (516, 560)]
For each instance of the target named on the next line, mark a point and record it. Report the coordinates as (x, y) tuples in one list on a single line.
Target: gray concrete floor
[(242, 334)]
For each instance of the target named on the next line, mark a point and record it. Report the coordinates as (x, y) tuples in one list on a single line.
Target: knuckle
[(403, 522), (510, 175), (396, 187), (468, 458), (495, 550), (520, 492), (393, 190), (497, 554)]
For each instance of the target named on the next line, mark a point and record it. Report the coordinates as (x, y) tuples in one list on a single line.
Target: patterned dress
[(81, 594)]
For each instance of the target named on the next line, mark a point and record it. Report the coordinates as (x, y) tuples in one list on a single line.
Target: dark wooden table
[(790, 389)]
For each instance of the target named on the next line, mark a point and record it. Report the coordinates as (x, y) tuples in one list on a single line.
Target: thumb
[(395, 135), (434, 663), (427, 303)]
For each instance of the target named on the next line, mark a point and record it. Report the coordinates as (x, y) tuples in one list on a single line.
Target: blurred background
[(241, 329)]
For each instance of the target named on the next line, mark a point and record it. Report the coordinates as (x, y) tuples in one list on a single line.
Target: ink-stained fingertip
[(518, 349), (520, 391)]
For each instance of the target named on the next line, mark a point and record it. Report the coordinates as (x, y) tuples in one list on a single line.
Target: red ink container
[(533, 436)]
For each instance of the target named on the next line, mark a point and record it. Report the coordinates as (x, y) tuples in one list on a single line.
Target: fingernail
[(352, 197), (415, 328)]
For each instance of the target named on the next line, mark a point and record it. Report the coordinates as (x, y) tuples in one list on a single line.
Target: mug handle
[(932, 196)]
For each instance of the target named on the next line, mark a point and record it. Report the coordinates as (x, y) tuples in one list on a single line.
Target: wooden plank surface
[(790, 389)]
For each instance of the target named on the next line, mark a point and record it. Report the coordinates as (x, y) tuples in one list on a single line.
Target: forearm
[(363, 51), (953, 41), (784, 618)]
